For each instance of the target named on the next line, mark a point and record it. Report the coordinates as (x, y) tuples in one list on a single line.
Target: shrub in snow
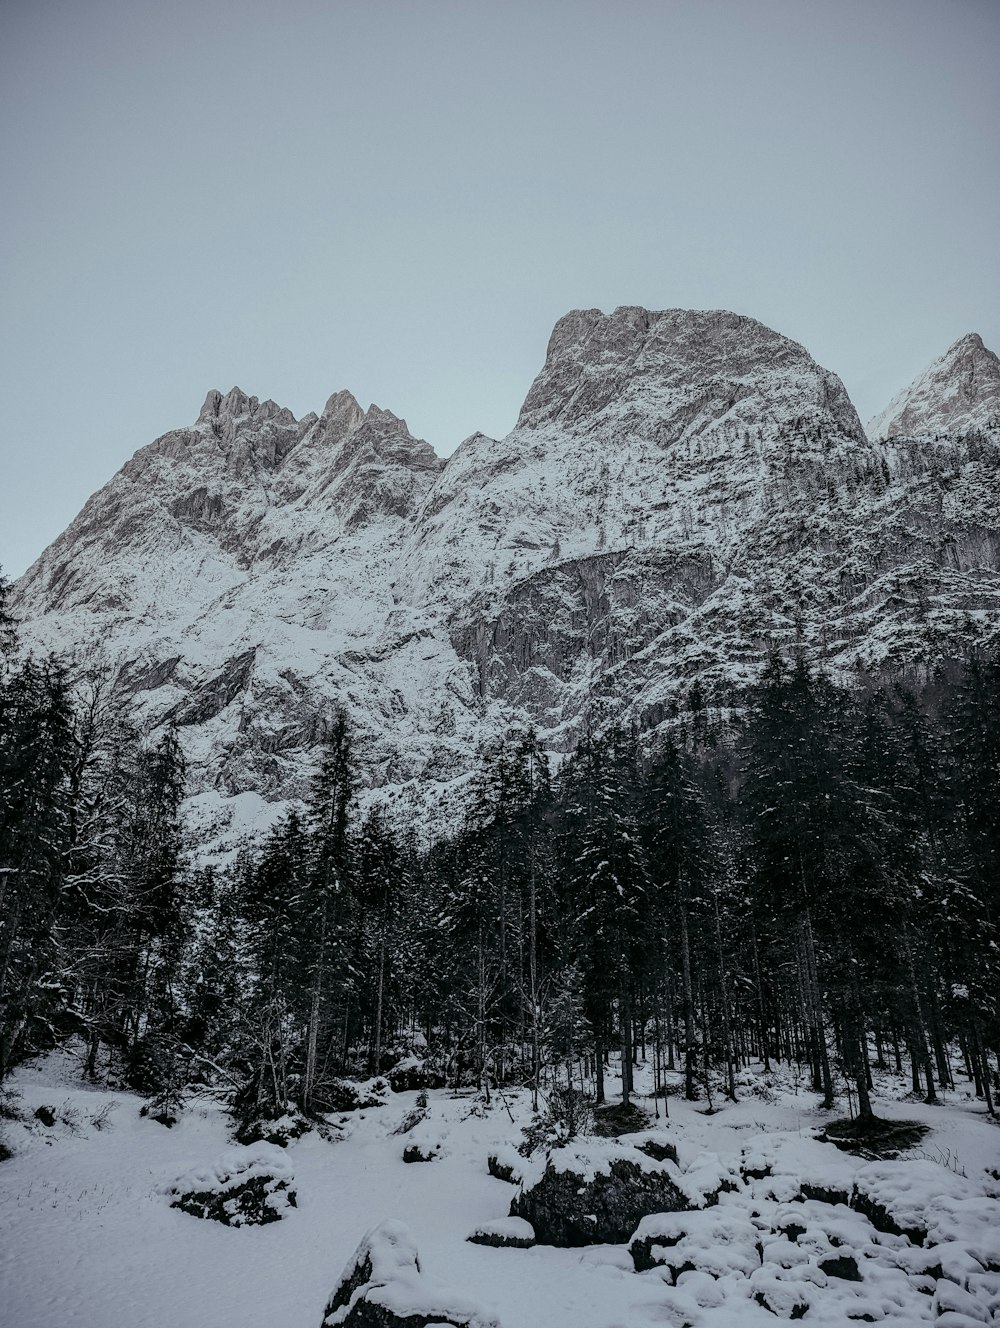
[(411, 1120), (596, 1193), (565, 1113), (70, 1117), (383, 1286), (504, 1233), (245, 1187), (164, 1112)]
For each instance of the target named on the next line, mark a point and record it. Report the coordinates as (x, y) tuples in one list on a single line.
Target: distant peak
[(379, 413), (956, 393), (339, 403), (972, 341), (210, 409), (236, 405), (598, 365), (233, 404)]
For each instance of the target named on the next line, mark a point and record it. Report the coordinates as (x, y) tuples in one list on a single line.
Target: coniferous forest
[(811, 882)]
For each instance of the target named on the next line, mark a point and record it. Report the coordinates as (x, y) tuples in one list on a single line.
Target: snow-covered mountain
[(683, 491), (958, 393)]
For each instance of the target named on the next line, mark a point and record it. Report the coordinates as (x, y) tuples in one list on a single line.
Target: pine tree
[(157, 920), (268, 896), (381, 884), (35, 761), (604, 866), (679, 850), (327, 900)]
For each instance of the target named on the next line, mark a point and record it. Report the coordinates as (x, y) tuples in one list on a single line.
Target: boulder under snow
[(383, 1286), (245, 1187), (596, 1193)]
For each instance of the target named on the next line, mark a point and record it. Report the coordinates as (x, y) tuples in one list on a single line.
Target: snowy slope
[(88, 1237), (683, 491)]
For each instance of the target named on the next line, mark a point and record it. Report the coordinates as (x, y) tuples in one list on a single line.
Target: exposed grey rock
[(596, 1205)]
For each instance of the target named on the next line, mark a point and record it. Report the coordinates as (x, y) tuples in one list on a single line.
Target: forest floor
[(88, 1237)]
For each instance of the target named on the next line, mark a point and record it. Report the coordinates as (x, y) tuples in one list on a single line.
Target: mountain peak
[(599, 368), (236, 405), (958, 392), (686, 490)]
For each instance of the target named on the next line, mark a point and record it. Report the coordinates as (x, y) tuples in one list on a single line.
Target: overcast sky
[(401, 198)]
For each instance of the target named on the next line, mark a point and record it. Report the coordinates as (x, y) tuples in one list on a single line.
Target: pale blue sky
[(401, 198)]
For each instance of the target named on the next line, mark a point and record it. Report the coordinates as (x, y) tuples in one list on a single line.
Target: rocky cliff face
[(640, 428), (683, 492)]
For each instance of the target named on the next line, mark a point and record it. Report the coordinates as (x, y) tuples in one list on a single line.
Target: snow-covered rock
[(245, 1187), (903, 1196), (717, 1241), (506, 1164), (504, 1233), (594, 1192), (383, 1286)]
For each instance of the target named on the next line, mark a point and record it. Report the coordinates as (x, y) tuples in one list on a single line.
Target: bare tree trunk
[(919, 1038), (761, 1021), (376, 1057), (312, 1041), (533, 980), (690, 1049), (727, 1038), (625, 1020), (819, 1028)]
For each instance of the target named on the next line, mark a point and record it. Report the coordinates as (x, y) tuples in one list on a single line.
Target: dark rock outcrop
[(602, 1204)]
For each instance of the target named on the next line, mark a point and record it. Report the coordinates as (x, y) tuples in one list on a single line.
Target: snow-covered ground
[(88, 1237)]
